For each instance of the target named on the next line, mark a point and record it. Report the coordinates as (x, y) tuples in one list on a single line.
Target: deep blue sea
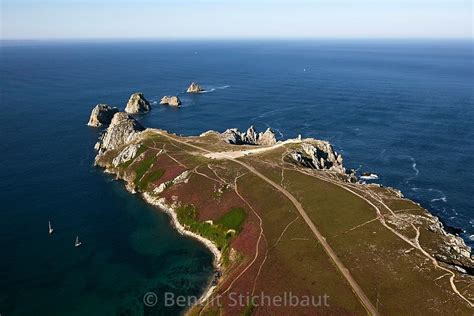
[(401, 109)]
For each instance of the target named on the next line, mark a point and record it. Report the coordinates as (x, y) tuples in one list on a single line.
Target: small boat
[(77, 243), (50, 228)]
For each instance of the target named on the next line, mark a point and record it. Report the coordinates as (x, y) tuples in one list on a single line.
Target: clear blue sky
[(49, 19)]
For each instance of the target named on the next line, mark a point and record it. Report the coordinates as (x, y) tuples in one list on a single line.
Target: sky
[(232, 19)]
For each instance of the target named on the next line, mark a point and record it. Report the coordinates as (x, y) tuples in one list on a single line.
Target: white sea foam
[(413, 166), (276, 129), (417, 172), (371, 176), (215, 88)]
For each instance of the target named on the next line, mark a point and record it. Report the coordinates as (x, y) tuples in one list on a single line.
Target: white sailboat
[(77, 243), (50, 228)]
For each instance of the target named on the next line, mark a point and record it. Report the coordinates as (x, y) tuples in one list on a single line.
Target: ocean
[(403, 110)]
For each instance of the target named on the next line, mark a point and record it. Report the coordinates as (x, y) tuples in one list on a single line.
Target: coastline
[(168, 209), (441, 248)]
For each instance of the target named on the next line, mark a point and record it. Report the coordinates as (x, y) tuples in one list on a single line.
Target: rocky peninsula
[(287, 216)]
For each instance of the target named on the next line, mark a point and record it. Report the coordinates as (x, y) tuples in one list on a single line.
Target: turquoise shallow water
[(403, 110)]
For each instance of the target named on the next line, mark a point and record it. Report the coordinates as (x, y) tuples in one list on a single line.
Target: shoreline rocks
[(101, 114), (137, 104), (194, 88), (171, 100)]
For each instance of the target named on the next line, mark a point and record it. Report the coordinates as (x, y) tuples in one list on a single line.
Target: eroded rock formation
[(170, 100), (101, 114), (250, 137), (137, 104), (320, 155), (122, 130), (127, 154), (194, 88)]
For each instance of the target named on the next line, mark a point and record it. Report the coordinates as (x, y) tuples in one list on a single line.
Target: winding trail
[(370, 308), (413, 243)]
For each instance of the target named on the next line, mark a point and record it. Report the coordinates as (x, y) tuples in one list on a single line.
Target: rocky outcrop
[(122, 130), (194, 88), (101, 114), (320, 155), (137, 104), (127, 154), (454, 250), (250, 137), (170, 100), (447, 248), (182, 178), (267, 138)]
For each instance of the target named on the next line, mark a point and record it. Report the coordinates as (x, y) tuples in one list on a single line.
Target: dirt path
[(242, 153), (413, 243), (370, 308)]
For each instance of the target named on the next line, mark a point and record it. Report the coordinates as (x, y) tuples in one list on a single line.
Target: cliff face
[(102, 114), (137, 104), (250, 137), (122, 129)]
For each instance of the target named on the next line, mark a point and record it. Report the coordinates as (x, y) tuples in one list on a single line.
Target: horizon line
[(227, 38)]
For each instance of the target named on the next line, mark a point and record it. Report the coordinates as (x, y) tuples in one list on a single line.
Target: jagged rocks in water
[(137, 104), (194, 88), (170, 100), (101, 114), (250, 137), (122, 129)]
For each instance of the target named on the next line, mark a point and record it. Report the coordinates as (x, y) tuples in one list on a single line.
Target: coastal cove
[(355, 94)]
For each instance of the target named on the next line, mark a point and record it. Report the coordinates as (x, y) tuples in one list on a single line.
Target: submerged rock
[(122, 129), (137, 104), (170, 100), (101, 114), (194, 88), (250, 137)]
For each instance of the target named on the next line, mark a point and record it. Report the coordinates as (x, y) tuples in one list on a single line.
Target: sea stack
[(194, 88), (101, 114), (137, 104), (170, 100)]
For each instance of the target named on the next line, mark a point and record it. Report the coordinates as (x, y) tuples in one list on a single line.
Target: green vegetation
[(233, 219), (187, 215), (142, 168), (151, 176), (218, 232)]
